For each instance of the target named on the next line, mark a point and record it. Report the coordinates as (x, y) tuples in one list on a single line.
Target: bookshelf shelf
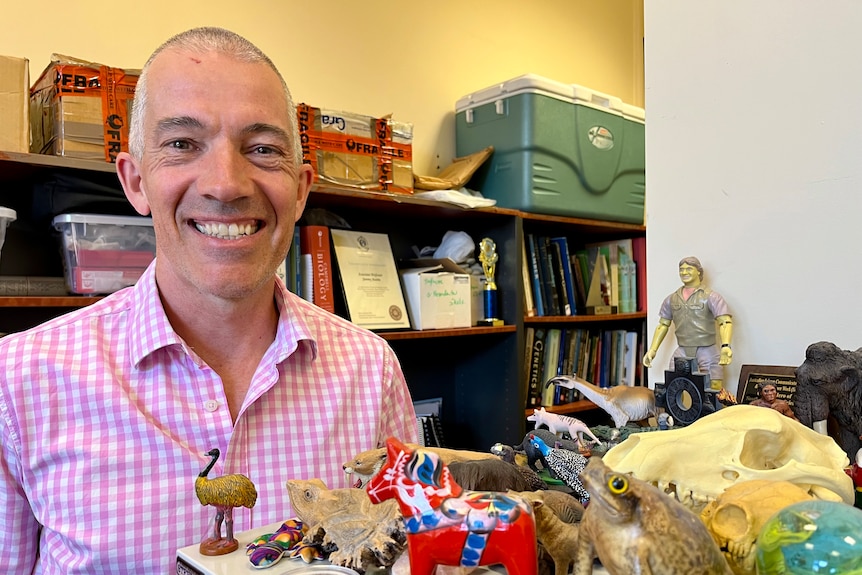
[(573, 407), (589, 319), (53, 301), (436, 333), (480, 373)]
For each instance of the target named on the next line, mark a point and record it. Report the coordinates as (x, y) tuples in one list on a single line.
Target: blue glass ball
[(811, 537)]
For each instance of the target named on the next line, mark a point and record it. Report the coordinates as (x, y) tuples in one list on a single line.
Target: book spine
[(32, 286), (568, 273), (533, 254), (315, 242), (546, 272), (537, 367), (529, 302)]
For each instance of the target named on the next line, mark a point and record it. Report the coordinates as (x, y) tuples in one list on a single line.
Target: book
[(532, 390), (630, 359), (546, 274), (560, 278), (32, 286), (551, 359), (537, 367), (533, 255), (627, 283), (529, 302), (639, 258), (306, 281), (315, 242), (569, 277)]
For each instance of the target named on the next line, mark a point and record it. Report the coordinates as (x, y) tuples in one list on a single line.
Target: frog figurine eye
[(618, 484)]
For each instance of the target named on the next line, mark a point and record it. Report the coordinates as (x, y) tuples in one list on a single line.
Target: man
[(769, 398), (107, 413), (694, 310)]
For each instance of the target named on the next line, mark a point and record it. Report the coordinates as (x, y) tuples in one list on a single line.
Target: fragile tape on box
[(81, 109), (357, 151)]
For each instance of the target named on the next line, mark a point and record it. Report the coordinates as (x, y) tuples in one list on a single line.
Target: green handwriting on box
[(441, 290)]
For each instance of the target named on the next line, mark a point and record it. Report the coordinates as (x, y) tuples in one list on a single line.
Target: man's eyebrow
[(167, 124), (262, 128)]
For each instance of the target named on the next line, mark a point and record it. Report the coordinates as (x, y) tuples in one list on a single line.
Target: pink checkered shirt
[(106, 416)]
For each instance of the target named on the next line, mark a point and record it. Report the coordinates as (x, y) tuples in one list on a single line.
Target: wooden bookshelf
[(479, 372)]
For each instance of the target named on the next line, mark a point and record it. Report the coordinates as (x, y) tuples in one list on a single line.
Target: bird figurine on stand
[(224, 493), (566, 465)]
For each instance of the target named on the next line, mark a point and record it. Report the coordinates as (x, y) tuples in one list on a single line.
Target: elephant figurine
[(829, 383)]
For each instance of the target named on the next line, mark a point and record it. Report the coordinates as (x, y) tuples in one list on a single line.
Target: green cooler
[(559, 149)]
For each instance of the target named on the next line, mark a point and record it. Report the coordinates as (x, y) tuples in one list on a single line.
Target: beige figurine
[(694, 310), (737, 516)]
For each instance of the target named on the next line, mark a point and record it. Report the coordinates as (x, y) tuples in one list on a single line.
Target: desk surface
[(191, 562)]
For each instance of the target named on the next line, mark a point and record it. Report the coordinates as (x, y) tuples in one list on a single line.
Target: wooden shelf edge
[(584, 318), (435, 333), (574, 407), (48, 301)]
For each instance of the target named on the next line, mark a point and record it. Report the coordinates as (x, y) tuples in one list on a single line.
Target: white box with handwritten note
[(438, 294)]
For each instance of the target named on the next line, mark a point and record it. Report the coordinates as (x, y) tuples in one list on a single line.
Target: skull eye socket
[(618, 484)]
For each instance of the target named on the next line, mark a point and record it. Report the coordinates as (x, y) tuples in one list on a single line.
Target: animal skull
[(737, 516), (738, 443)]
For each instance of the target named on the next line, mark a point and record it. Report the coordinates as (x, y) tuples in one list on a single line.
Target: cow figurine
[(447, 525)]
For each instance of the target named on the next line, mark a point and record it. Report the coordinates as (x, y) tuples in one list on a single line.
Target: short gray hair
[(201, 40)]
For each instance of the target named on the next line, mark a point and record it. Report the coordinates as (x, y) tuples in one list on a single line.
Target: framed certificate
[(369, 278)]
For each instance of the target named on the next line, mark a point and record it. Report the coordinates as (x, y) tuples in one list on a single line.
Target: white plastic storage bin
[(102, 254), (7, 216)]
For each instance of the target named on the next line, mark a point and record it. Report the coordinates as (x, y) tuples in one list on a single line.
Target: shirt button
[(211, 405)]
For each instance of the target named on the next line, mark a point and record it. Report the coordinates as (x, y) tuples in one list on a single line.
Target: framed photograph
[(751, 376)]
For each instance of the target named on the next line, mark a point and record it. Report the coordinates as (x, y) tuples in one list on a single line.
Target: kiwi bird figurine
[(224, 493)]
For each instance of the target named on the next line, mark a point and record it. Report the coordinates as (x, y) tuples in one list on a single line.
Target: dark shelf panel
[(617, 317)]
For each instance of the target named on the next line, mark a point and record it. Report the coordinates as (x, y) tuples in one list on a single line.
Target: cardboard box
[(14, 109), (357, 151), (81, 109), (439, 294)]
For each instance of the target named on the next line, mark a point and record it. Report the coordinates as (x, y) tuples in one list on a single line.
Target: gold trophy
[(488, 257)]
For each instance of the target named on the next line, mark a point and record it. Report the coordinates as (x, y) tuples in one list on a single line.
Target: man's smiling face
[(217, 173)]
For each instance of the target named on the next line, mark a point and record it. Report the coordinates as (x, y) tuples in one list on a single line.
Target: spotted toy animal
[(447, 525)]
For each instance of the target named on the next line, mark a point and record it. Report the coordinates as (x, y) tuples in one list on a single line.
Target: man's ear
[(303, 187), (130, 177)]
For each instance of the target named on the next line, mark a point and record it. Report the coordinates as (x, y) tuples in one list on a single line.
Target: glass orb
[(811, 537)]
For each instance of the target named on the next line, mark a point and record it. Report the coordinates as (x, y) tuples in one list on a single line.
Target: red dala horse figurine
[(447, 525)]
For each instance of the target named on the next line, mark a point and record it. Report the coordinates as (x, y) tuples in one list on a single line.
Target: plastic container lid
[(535, 84), (8, 214), (101, 219)]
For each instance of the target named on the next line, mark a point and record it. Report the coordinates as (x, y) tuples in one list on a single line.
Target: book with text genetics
[(315, 242)]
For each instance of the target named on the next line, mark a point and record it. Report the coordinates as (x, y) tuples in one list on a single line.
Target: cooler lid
[(101, 219), (535, 84), (8, 214), (524, 84)]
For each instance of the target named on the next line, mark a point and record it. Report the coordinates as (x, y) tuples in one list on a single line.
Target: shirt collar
[(151, 330)]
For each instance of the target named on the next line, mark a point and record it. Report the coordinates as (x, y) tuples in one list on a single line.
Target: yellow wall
[(413, 58)]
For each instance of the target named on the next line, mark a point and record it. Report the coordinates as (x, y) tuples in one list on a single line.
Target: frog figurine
[(632, 527)]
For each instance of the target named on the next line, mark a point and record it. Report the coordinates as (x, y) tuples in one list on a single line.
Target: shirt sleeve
[(20, 533), (397, 417), (665, 311), (717, 305)]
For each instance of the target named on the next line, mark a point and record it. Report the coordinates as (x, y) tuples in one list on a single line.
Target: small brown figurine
[(632, 527), (769, 398), (224, 493)]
